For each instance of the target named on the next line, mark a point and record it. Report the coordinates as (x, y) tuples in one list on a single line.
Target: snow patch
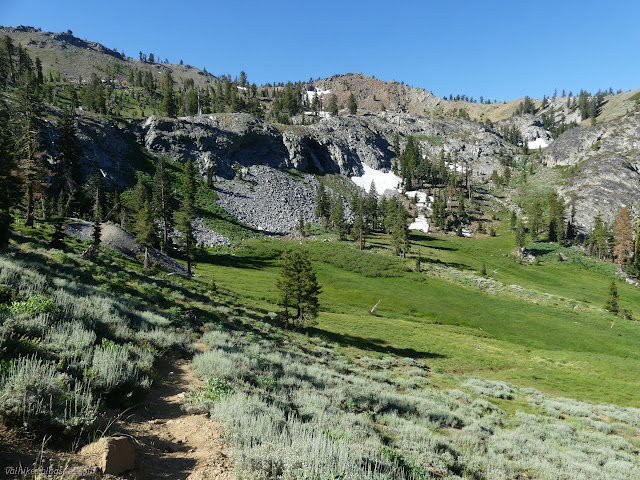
[(321, 114), (420, 223), (537, 143), (384, 180), (421, 198), (321, 93)]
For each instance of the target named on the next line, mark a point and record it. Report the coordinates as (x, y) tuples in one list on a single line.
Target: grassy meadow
[(537, 324)]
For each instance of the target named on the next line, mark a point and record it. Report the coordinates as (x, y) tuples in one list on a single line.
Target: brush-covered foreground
[(416, 390)]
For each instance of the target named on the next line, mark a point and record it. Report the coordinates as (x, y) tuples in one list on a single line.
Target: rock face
[(606, 160), (216, 142), (333, 145)]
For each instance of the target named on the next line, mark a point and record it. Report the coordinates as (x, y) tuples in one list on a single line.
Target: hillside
[(469, 273), (75, 58)]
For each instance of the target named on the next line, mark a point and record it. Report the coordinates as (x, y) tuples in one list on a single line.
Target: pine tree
[(612, 300), (184, 216), (599, 238), (96, 188), (29, 143), (633, 267), (556, 218), (9, 192), (137, 200), (521, 235), (161, 201), (333, 105), (298, 287), (352, 105), (68, 154), (146, 228), (359, 227), (623, 234), (323, 206), (535, 220), (371, 207), (396, 221), (168, 97), (337, 218)]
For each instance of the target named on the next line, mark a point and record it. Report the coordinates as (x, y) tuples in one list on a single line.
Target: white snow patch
[(458, 167), (420, 223), (383, 179), (321, 114), (242, 88), (421, 198), (537, 143), (321, 93)]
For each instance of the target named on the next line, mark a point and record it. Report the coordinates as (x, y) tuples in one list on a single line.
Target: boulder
[(113, 455)]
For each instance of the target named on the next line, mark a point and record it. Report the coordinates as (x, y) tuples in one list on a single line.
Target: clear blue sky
[(498, 49)]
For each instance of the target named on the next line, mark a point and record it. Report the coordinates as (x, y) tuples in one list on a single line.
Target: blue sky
[(496, 49)]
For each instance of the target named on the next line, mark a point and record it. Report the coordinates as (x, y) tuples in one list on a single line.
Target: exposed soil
[(169, 443)]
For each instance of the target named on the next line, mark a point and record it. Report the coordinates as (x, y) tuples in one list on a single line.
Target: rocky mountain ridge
[(600, 163)]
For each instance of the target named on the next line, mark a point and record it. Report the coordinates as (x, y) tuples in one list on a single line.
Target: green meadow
[(543, 327)]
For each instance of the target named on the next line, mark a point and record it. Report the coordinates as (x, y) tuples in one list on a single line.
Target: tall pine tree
[(162, 200), (184, 216)]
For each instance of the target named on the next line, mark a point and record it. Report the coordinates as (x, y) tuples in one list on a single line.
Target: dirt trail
[(170, 443)]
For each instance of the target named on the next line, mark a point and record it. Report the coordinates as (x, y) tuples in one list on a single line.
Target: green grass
[(460, 329)]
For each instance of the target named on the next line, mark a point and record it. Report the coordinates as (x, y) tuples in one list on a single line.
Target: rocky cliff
[(333, 145), (604, 167)]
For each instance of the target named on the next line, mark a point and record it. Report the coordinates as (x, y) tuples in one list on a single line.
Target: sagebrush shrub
[(32, 392)]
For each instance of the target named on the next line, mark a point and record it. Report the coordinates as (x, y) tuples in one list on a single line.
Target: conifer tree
[(535, 220), (96, 189), (137, 200), (359, 227), (29, 143), (146, 228), (556, 218), (371, 207), (161, 200), (68, 153), (623, 235), (184, 216), (323, 206), (599, 238), (168, 97), (521, 235), (337, 218), (333, 105), (9, 192), (352, 105), (612, 300), (298, 287)]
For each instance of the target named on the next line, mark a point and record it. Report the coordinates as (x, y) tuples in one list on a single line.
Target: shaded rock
[(113, 455)]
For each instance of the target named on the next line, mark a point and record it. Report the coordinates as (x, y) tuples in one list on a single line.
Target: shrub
[(488, 388), (32, 392), (69, 339), (201, 399), (34, 305), (111, 369)]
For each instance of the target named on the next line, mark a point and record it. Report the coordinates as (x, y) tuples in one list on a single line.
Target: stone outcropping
[(342, 144), (605, 168)]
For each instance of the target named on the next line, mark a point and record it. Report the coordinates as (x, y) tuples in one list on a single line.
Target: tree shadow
[(370, 344), (437, 261), (236, 261)]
